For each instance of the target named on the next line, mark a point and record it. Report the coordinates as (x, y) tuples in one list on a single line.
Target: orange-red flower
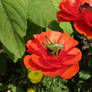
[(53, 53), (79, 12)]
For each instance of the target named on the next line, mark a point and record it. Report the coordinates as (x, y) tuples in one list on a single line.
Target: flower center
[(86, 6), (53, 48)]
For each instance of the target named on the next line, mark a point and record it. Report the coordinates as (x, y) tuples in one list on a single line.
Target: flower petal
[(69, 10), (64, 16), (67, 40), (70, 72), (34, 46), (36, 65), (31, 44), (54, 35), (70, 6), (87, 17), (51, 35), (26, 61), (55, 73), (41, 61), (76, 58), (83, 28)]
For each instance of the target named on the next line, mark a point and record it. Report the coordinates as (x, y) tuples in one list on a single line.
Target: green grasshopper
[(53, 48)]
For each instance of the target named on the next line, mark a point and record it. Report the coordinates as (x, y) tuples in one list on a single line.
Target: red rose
[(53, 53), (79, 12)]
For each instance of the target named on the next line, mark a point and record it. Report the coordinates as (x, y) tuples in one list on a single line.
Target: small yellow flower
[(30, 90), (35, 76)]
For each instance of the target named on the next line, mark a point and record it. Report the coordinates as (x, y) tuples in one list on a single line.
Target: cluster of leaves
[(19, 20), (22, 17)]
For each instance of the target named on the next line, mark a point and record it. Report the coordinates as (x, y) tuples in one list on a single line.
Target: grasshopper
[(53, 48)]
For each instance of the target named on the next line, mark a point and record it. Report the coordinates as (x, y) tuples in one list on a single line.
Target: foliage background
[(19, 20)]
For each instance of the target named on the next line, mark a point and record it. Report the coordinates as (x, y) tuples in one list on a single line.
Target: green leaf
[(84, 75), (1, 84), (42, 12), (55, 84), (17, 89), (56, 3), (66, 27), (54, 25), (11, 56), (13, 15)]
